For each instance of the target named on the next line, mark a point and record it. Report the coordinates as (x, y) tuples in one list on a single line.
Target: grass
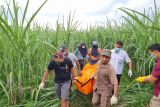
[(133, 94)]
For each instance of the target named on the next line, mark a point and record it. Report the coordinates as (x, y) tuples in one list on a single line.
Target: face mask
[(117, 49), (94, 46)]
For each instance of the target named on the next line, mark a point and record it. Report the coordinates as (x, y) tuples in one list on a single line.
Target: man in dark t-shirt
[(63, 69)]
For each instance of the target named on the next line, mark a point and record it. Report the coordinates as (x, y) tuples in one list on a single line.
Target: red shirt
[(156, 74)]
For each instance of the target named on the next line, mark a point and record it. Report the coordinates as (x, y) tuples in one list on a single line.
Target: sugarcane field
[(76, 53)]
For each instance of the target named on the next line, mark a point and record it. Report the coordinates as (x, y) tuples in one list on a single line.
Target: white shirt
[(73, 58), (118, 59)]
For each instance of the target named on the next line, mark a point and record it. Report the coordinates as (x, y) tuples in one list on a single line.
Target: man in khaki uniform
[(105, 83)]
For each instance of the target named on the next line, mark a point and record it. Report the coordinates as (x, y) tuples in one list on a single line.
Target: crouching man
[(63, 69), (106, 82)]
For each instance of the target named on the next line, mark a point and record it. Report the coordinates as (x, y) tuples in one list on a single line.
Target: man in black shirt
[(63, 69)]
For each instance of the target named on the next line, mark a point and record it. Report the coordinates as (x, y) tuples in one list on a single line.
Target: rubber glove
[(142, 79), (130, 73), (113, 100), (41, 85)]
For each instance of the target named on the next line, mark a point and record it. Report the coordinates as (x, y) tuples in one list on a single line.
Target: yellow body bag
[(84, 83)]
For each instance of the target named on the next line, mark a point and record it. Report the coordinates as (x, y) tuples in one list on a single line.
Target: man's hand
[(80, 74), (73, 79), (41, 85), (113, 100), (130, 73)]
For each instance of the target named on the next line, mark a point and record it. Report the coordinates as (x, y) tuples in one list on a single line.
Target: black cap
[(63, 48)]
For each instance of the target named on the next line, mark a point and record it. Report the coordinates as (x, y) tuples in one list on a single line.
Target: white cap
[(94, 43)]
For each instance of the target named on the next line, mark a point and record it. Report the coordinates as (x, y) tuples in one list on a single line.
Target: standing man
[(94, 53), (63, 69), (64, 49), (106, 82), (118, 57), (154, 78), (80, 53)]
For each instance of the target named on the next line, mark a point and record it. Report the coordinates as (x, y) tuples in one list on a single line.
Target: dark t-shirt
[(62, 70)]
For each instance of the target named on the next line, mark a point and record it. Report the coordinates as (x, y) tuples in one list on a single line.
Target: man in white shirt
[(118, 57)]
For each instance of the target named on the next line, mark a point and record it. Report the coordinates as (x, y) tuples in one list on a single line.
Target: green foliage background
[(25, 51)]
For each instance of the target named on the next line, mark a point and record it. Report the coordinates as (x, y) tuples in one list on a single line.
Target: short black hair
[(119, 43), (154, 47)]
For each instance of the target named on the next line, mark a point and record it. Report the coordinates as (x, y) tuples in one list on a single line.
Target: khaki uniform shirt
[(105, 79)]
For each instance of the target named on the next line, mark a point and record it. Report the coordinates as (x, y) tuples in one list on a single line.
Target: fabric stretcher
[(84, 83)]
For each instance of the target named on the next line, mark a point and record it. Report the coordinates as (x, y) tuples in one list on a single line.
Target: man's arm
[(99, 50), (151, 79), (130, 65), (115, 88), (45, 75), (113, 80), (78, 65), (43, 79), (89, 52), (73, 72), (128, 60), (76, 52)]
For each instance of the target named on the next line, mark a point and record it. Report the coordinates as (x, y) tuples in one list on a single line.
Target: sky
[(86, 12)]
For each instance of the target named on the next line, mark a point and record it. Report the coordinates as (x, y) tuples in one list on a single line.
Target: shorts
[(62, 89), (155, 101), (118, 78)]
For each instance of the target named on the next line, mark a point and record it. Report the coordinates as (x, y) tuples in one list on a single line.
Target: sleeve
[(74, 57), (156, 74), (69, 63), (50, 66), (76, 52), (112, 75), (126, 57)]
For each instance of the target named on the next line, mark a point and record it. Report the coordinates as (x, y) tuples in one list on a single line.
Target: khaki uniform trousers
[(100, 100)]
